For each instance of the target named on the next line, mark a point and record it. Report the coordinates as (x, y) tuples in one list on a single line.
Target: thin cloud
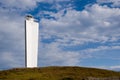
[(113, 3), (95, 24)]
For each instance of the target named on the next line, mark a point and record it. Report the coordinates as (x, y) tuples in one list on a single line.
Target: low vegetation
[(55, 73)]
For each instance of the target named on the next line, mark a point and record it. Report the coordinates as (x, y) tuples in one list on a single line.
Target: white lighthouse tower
[(31, 42)]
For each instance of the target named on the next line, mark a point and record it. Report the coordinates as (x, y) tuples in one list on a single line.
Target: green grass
[(55, 73)]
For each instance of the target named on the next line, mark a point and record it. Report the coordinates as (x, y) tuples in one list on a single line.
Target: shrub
[(32, 79), (67, 78)]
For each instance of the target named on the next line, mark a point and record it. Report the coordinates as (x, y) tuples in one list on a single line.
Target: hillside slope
[(55, 73)]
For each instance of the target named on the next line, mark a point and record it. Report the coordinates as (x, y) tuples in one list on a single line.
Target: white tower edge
[(31, 42)]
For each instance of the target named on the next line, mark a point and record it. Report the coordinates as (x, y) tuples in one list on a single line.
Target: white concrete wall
[(31, 31)]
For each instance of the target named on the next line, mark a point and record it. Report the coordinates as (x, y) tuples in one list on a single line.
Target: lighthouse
[(31, 41)]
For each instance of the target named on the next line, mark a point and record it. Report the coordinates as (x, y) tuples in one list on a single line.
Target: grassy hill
[(55, 73)]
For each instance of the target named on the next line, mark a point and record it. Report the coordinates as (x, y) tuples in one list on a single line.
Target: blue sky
[(72, 32)]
